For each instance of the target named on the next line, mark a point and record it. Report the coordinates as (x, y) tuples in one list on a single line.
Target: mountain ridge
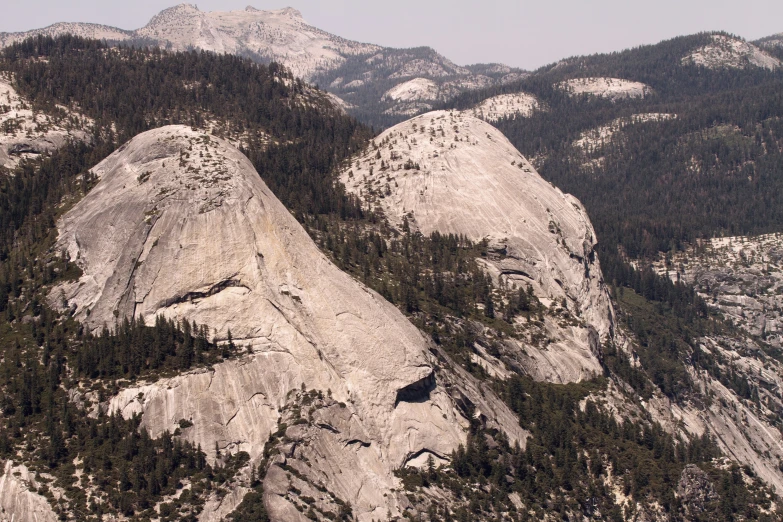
[(496, 269), (315, 55)]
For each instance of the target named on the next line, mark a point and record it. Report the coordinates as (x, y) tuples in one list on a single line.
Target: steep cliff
[(181, 225), (19, 499)]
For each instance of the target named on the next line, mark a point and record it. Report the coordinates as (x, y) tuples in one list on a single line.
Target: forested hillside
[(127, 91), (711, 169), (699, 155), (580, 459)]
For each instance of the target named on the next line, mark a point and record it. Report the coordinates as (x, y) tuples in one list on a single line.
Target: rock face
[(280, 35), (453, 173), (181, 225), (725, 52), (741, 276), (695, 489), (18, 498), (421, 94), (514, 105), (744, 432), (612, 88), (28, 134), (336, 433), (411, 95)]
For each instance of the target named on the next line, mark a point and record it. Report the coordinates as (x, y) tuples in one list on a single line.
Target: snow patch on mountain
[(730, 53), (514, 105), (612, 88)]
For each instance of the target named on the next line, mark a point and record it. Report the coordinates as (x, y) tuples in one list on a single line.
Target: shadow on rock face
[(418, 391)]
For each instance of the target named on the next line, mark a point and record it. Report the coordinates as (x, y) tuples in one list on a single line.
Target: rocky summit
[(180, 225), (356, 72), (450, 172)]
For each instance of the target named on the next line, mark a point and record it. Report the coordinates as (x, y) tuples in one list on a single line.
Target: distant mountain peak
[(770, 42), (355, 71), (290, 11), (171, 15), (179, 8)]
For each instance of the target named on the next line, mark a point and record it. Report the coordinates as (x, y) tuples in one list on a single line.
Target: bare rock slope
[(181, 225), (611, 88), (740, 278), (19, 500), (453, 173), (725, 52), (502, 106), (28, 133)]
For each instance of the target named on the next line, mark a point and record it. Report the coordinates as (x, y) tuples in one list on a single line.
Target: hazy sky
[(522, 33)]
